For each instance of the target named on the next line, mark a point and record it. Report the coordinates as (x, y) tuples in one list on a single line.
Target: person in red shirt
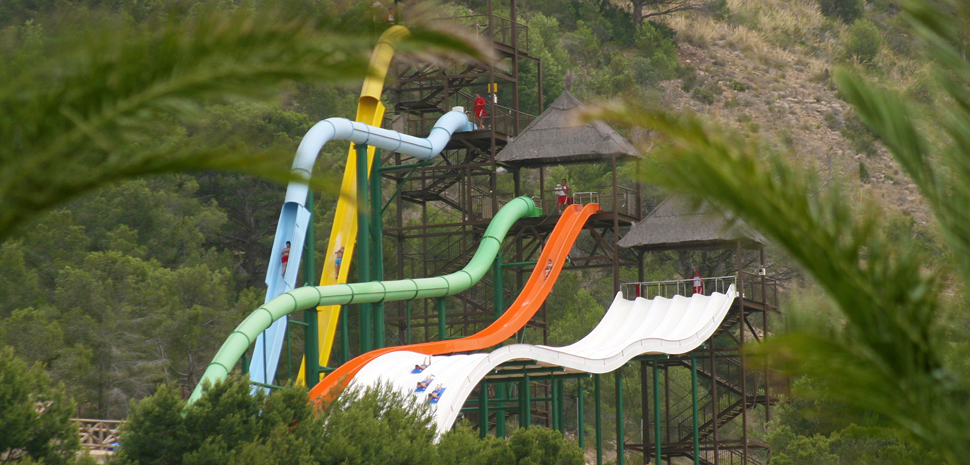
[(286, 257), (563, 199), (698, 282), (479, 110)]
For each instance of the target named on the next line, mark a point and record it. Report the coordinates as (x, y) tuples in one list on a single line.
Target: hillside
[(745, 80)]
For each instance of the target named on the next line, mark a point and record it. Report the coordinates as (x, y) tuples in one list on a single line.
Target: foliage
[(862, 138), (100, 98), (814, 429), (378, 425), (845, 10), (526, 446), (227, 425), (863, 41), (36, 415), (656, 43), (889, 354), (542, 446)]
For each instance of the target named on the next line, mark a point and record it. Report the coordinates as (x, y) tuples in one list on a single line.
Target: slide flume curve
[(295, 218), (627, 330), (533, 294), (343, 232), (342, 294)]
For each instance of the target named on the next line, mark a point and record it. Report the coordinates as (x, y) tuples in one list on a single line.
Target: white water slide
[(630, 328)]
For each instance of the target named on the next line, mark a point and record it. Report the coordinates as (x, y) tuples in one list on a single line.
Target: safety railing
[(99, 436), (683, 287), (626, 199)]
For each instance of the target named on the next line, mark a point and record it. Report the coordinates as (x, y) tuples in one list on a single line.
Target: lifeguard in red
[(479, 110), (698, 283), (562, 191)]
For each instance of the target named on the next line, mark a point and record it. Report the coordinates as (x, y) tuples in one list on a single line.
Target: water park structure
[(466, 240)]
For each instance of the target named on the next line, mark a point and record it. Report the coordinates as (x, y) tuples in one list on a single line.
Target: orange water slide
[(533, 294)]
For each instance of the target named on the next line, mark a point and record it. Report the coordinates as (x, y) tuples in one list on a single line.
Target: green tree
[(891, 355), (376, 426), (863, 41), (35, 414), (543, 446), (229, 424)]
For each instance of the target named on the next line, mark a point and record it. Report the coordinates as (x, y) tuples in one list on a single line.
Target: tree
[(534, 445), (891, 353), (229, 424), (36, 415)]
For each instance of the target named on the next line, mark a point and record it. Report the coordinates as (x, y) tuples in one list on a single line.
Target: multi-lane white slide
[(630, 328)]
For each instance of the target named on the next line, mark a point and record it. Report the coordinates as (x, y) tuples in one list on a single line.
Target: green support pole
[(500, 391), (377, 245), (363, 245), (554, 421), (527, 402), (407, 314), (581, 430), (312, 366), (618, 376), (442, 332), (656, 407), (599, 421), (497, 287), (693, 394), (344, 335), (483, 411), (562, 405)]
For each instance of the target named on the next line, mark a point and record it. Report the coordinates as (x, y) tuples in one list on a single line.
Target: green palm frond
[(891, 354), (105, 100)]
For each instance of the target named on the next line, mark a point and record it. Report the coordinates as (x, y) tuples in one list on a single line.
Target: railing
[(99, 436), (626, 199), (482, 205), (683, 287)]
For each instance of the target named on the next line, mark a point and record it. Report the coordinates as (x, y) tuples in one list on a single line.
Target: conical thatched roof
[(553, 138), (675, 224)]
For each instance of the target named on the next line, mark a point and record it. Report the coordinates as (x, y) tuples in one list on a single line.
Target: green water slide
[(342, 294)]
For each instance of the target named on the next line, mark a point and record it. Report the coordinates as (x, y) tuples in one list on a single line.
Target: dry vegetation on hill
[(765, 71)]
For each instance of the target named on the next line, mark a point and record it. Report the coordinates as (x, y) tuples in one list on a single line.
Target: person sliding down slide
[(424, 383)]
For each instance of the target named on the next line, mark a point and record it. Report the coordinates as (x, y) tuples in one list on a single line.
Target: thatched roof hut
[(676, 224), (553, 138)]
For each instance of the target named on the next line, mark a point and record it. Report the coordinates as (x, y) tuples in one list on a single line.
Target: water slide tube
[(533, 294), (343, 232), (343, 294), (295, 217), (629, 329)]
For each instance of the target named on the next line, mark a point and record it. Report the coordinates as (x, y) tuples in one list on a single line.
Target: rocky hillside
[(770, 77)]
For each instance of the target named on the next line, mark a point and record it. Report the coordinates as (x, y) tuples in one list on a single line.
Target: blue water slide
[(295, 218)]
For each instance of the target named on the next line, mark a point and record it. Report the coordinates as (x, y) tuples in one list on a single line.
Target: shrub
[(659, 47), (688, 77), (846, 10), (35, 415), (862, 138), (864, 173), (703, 94), (863, 41)]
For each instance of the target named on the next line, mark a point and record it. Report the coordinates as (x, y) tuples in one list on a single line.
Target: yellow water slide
[(343, 234)]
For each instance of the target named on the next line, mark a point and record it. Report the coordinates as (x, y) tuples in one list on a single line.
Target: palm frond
[(105, 98)]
